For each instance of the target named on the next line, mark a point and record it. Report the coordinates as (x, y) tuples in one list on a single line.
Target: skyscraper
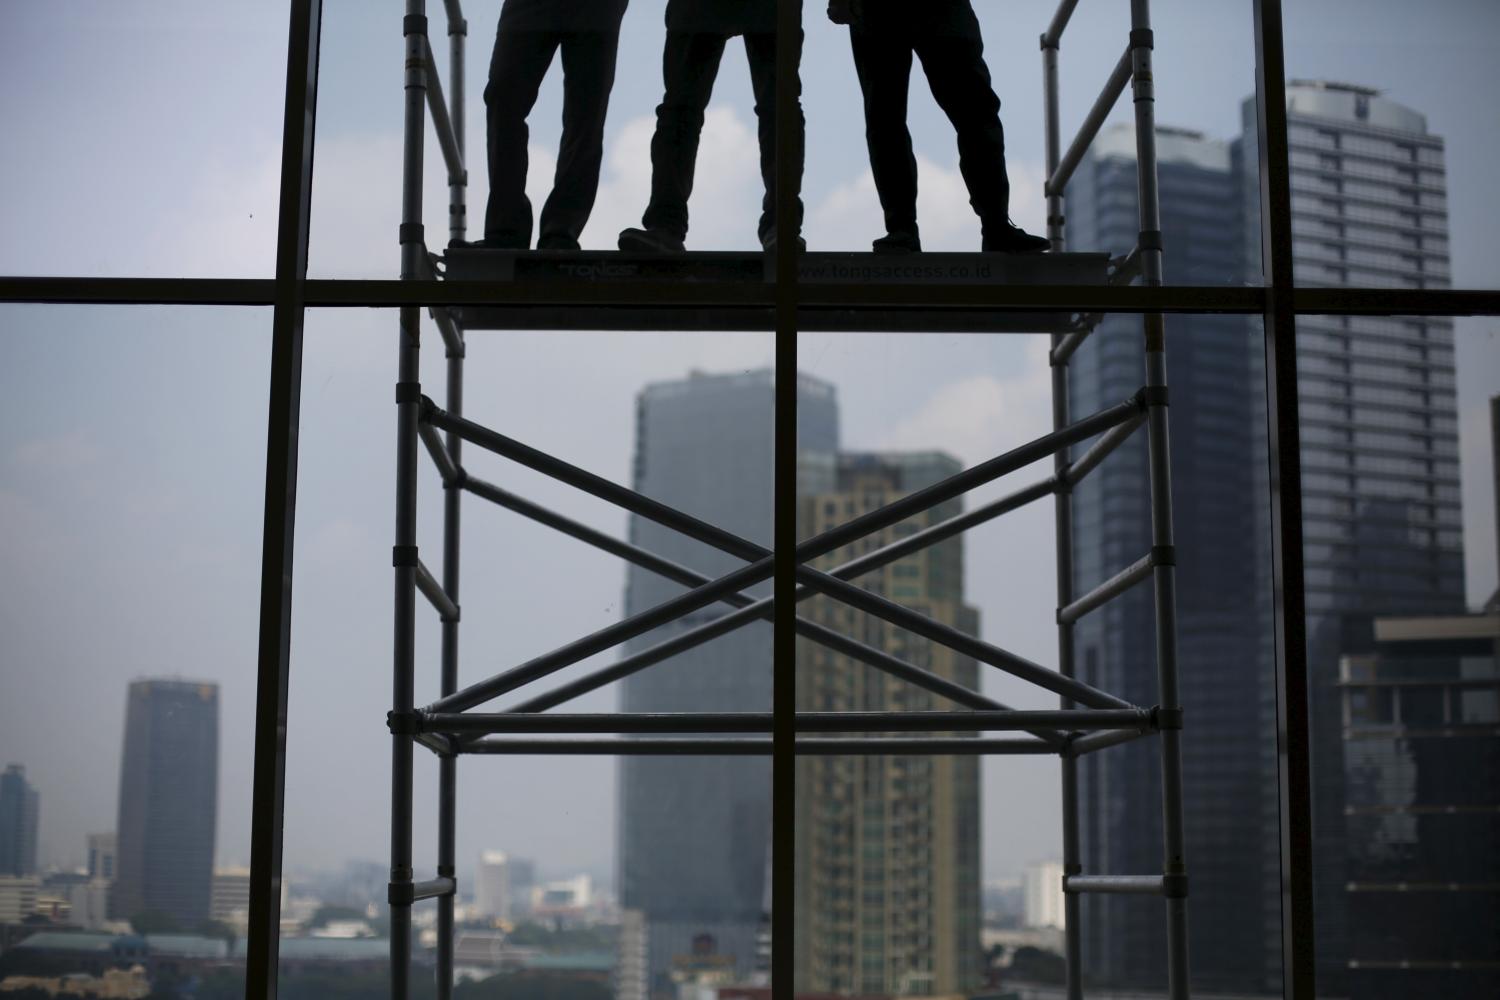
[(1226, 679), (492, 895), (169, 776), (887, 847), (102, 856), (1380, 480), (19, 806), (694, 831)]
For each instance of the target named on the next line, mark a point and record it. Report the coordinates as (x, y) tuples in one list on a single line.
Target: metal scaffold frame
[(1088, 719), (1275, 302)]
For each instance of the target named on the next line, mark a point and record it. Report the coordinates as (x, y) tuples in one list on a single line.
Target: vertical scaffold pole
[(283, 417), (1174, 870), (784, 505), (447, 863), (404, 554), (1072, 860), (1050, 100), (458, 195), (1063, 514)]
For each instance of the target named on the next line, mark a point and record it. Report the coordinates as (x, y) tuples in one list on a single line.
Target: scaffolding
[(698, 291)]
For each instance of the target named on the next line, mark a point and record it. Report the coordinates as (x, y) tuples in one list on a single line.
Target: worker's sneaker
[(650, 241), (898, 242), (556, 241), (1011, 238)]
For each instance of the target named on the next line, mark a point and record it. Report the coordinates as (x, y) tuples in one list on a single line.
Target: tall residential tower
[(887, 866)]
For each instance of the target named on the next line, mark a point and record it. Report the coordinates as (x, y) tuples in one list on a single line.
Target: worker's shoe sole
[(897, 243), (649, 241)]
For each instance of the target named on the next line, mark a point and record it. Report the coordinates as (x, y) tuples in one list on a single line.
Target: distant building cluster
[(1405, 681)]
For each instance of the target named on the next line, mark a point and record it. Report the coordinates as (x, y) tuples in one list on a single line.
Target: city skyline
[(292, 860)]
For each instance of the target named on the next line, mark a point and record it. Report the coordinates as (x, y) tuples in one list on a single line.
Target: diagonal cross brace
[(870, 561), (760, 568), (870, 655), (947, 635)]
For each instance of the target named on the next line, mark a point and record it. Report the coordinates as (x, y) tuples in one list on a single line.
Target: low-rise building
[(18, 897), (1421, 741)]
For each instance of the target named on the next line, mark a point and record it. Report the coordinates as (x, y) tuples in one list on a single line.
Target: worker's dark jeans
[(519, 63), (952, 56), (690, 64)]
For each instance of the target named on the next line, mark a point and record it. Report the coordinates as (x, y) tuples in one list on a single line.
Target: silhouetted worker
[(944, 35), (530, 32), (697, 33)]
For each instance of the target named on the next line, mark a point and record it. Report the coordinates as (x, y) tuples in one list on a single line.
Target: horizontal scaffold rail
[(1075, 746), (759, 746), (722, 588), (405, 892), (1134, 885), (490, 723), (377, 293)]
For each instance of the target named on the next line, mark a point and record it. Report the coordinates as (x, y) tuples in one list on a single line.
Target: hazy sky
[(143, 138)]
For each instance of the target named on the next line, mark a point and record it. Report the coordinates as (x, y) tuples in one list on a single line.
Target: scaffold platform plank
[(753, 268)]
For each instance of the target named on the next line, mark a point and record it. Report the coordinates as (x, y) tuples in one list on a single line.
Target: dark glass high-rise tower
[(169, 778), (1379, 419), (694, 831), (18, 819), (1228, 758)]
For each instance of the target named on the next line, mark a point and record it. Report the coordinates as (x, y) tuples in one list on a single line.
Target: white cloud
[(725, 205), (225, 225), (976, 417)]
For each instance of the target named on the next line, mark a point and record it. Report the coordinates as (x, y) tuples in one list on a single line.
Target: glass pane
[(132, 457), (1392, 143), (578, 186), (1399, 520), (671, 849), (1204, 67), (915, 409), (142, 138)]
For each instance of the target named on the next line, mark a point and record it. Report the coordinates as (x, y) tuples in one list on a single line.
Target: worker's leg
[(690, 63), (588, 59), (882, 59), (760, 50), (517, 66), (953, 59)]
